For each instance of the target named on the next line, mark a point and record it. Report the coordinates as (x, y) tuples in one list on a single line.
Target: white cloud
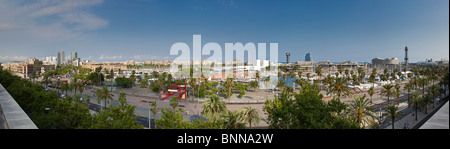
[(144, 57), (48, 20), (53, 7), (227, 3), (13, 58), (103, 57), (84, 21)]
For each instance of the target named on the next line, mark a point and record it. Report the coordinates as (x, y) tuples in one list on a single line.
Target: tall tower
[(308, 57), (61, 57), (287, 57), (406, 58), (74, 56)]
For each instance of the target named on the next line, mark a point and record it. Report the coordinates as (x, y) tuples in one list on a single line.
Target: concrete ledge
[(12, 114), (439, 120)]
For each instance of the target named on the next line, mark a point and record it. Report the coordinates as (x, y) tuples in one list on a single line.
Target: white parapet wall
[(12, 115)]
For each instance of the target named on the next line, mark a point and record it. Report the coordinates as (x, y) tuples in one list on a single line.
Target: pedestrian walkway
[(409, 121)]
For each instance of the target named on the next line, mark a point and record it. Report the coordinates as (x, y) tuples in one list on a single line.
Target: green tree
[(65, 87), (319, 72), (371, 92), (174, 102), (153, 109), (170, 119), (124, 82), (232, 120), (213, 107), (359, 109), (111, 76), (254, 85), (227, 87), (408, 87), (339, 87), (105, 95), (306, 111), (434, 91), (117, 117), (250, 116), (397, 92), (415, 100), (393, 113), (423, 82), (388, 92)]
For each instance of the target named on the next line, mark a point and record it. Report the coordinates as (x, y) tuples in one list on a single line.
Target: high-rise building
[(61, 57), (51, 60), (308, 57), (74, 56)]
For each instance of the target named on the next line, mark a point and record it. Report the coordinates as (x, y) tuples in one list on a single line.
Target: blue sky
[(119, 30)]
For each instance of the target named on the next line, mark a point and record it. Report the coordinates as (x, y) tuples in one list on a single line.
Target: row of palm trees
[(214, 108), (421, 77), (74, 85)]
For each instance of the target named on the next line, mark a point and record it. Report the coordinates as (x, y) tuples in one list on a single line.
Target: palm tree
[(257, 77), (229, 86), (153, 104), (174, 102), (397, 92), (387, 91), (434, 91), (292, 76), (266, 81), (81, 88), (415, 100), (426, 99), (300, 74), (192, 83), (88, 100), (213, 106), (423, 82), (254, 85), (232, 120), (391, 112), (408, 86), (415, 82), (46, 80), (339, 87), (98, 93), (122, 98), (250, 115), (347, 75), (111, 75), (65, 87), (359, 109), (361, 74), (74, 85), (58, 84), (308, 76), (371, 92), (105, 95), (319, 72)]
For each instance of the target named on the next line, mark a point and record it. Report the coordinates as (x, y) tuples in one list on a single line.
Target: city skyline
[(144, 30)]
